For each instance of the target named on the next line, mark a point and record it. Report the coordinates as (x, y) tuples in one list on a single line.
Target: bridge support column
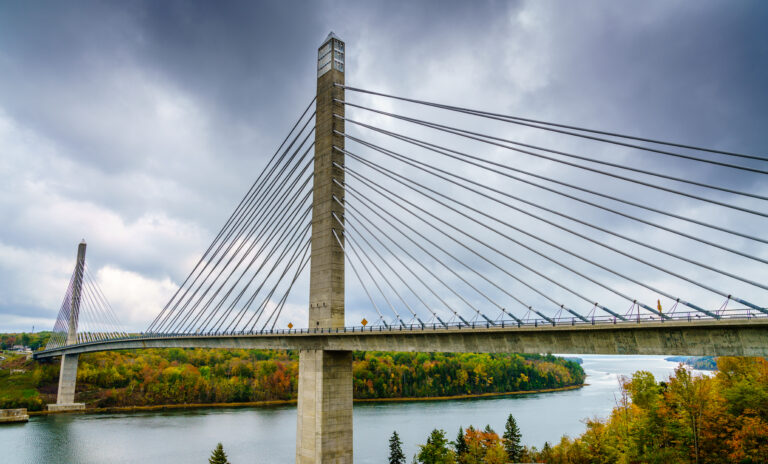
[(65, 398), (324, 426), (324, 431)]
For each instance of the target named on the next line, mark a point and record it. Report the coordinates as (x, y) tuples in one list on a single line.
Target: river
[(267, 435)]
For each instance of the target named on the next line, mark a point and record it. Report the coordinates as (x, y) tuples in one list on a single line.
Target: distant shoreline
[(169, 407), (464, 397)]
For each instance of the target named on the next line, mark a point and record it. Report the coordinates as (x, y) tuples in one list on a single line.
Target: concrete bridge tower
[(65, 399), (324, 430)]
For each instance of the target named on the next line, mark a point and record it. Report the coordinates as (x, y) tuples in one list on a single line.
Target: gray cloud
[(138, 126)]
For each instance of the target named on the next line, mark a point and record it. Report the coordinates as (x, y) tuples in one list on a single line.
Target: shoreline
[(469, 396), (256, 404)]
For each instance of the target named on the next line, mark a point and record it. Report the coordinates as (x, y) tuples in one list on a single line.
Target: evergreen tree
[(218, 456), (546, 452), (396, 455), (512, 438), (460, 445)]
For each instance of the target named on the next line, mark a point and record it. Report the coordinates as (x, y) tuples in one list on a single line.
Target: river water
[(267, 435)]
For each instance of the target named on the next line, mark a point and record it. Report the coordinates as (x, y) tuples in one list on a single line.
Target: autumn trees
[(472, 446), (687, 419), (404, 375), (34, 340), (199, 376), (175, 376)]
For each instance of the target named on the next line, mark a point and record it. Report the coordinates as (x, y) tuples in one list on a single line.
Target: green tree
[(512, 438), (218, 456), (396, 455), (435, 451)]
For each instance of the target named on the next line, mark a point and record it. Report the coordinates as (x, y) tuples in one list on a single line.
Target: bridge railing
[(731, 314)]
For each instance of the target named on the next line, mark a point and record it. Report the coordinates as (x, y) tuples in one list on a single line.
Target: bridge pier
[(324, 430), (65, 398)]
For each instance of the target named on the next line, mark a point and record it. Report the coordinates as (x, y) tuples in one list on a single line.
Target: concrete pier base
[(67, 379), (8, 416), (66, 407), (324, 430)]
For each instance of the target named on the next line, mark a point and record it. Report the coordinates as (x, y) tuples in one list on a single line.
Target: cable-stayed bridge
[(462, 233)]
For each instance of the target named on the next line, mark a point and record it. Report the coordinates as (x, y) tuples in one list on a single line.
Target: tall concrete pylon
[(324, 429), (65, 398)]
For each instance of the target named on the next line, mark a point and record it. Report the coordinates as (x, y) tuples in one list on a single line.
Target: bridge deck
[(709, 337)]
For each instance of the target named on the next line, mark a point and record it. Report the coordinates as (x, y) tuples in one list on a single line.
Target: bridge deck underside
[(706, 338)]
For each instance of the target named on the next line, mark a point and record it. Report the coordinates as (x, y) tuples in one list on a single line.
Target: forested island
[(704, 363), (176, 376)]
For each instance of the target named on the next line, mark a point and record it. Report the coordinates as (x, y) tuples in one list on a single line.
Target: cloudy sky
[(139, 125)]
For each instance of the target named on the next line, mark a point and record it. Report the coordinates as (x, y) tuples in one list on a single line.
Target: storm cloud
[(139, 125)]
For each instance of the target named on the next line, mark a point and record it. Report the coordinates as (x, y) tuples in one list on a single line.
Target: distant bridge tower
[(324, 430), (65, 399)]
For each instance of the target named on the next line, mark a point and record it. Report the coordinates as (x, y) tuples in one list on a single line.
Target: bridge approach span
[(732, 337)]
